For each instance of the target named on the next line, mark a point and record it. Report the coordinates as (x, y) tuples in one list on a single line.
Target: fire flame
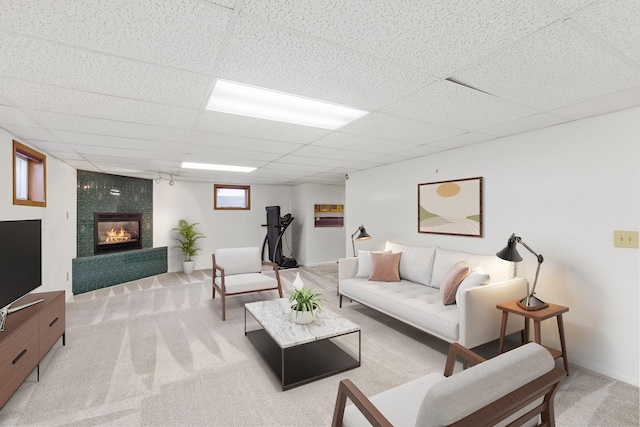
[(117, 236)]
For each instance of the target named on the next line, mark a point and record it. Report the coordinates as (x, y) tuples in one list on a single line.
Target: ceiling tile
[(225, 153), (266, 56), (552, 68), (463, 140), (217, 141), (115, 143), (60, 100), (282, 166), (183, 34), (605, 104), (14, 116), (313, 161), (65, 155), (59, 65), (421, 150), (231, 124), (52, 146), (31, 133), (570, 6), (345, 141), (122, 153), (395, 128), (436, 37), (525, 124), (615, 22), (456, 106), (332, 153), (98, 126)]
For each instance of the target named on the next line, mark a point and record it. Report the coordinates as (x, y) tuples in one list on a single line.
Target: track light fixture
[(171, 181), (158, 180)]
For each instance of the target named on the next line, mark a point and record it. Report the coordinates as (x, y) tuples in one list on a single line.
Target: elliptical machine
[(276, 226)]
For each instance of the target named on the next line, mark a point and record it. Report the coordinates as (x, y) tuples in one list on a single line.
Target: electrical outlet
[(625, 239)]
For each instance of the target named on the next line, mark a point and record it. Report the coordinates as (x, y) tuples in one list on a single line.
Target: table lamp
[(509, 253), (362, 236)]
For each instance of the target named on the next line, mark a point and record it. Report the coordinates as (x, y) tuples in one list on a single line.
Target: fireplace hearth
[(114, 232)]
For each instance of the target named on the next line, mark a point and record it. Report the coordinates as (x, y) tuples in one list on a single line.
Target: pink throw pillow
[(452, 280), (385, 267)]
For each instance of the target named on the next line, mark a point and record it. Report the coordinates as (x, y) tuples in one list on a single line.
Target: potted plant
[(187, 240), (305, 302)]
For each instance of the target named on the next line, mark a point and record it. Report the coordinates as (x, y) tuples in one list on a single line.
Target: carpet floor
[(156, 352)]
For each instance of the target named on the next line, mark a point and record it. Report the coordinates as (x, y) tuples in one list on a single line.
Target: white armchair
[(515, 387), (238, 271)]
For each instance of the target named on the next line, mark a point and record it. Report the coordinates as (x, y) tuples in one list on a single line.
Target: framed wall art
[(451, 207)]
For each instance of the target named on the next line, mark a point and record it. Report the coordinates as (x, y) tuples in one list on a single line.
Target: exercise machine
[(276, 226)]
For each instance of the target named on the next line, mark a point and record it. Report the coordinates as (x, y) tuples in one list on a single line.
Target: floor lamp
[(509, 253)]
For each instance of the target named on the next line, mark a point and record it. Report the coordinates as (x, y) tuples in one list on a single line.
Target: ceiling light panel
[(267, 56), (181, 34), (244, 100), (215, 167)]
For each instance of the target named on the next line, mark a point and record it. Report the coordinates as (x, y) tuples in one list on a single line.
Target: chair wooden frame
[(543, 386), (222, 288)]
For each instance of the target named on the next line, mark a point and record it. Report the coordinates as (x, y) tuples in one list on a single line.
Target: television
[(20, 259)]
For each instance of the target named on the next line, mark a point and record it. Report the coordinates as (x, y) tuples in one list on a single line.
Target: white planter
[(188, 266), (302, 317)]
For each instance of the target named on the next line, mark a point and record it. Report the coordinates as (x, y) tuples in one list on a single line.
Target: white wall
[(564, 190), (316, 245), (223, 229), (58, 217)]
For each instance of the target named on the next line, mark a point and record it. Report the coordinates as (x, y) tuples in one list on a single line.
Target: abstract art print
[(451, 207)]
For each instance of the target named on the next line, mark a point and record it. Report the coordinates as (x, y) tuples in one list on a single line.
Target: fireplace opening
[(114, 232)]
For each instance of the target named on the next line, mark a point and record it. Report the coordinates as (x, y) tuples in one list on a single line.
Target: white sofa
[(471, 321)]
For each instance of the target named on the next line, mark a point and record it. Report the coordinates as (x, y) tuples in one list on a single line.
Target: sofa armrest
[(479, 319), (347, 268)]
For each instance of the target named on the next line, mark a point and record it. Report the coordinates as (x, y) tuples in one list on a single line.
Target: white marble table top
[(273, 316)]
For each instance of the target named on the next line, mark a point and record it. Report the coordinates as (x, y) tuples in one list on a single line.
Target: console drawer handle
[(19, 356), (54, 322)]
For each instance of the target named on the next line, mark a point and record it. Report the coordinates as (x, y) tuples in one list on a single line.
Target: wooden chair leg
[(224, 313), (213, 288)]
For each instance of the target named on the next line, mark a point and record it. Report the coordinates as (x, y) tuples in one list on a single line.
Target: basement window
[(29, 176), (231, 197)]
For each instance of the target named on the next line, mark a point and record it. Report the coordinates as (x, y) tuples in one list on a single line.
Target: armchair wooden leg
[(224, 313), (213, 288)]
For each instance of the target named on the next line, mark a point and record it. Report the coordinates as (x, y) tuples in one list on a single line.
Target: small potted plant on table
[(187, 240), (305, 302)]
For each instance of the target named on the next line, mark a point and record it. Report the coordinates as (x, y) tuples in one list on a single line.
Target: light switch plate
[(625, 239)]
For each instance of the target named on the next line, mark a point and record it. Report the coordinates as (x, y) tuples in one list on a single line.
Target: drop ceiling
[(120, 86)]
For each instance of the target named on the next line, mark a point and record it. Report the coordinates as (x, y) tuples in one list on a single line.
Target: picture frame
[(451, 207)]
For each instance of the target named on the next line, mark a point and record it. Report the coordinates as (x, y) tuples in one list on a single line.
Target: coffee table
[(300, 354)]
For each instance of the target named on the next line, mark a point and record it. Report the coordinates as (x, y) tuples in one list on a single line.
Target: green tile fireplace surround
[(98, 192)]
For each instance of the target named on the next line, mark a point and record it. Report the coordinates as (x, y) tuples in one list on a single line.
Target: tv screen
[(20, 259)]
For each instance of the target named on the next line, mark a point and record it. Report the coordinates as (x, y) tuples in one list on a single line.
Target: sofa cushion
[(476, 277), (452, 280), (412, 303), (385, 267), (239, 260), (472, 389), (416, 263), (499, 270), (246, 282), (364, 263)]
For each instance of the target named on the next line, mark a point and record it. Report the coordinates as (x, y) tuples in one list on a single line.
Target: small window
[(29, 176), (231, 197)]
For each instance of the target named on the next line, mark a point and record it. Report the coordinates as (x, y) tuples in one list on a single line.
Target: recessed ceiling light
[(236, 98), (213, 167)]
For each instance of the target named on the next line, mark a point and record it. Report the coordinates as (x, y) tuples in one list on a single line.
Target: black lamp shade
[(509, 253), (363, 235)]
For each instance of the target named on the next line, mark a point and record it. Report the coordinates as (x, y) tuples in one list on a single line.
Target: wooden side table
[(538, 316)]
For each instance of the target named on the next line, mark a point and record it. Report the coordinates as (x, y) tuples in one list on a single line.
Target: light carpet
[(156, 352)]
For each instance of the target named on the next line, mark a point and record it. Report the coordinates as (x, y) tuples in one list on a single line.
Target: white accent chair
[(515, 388), (238, 271)]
